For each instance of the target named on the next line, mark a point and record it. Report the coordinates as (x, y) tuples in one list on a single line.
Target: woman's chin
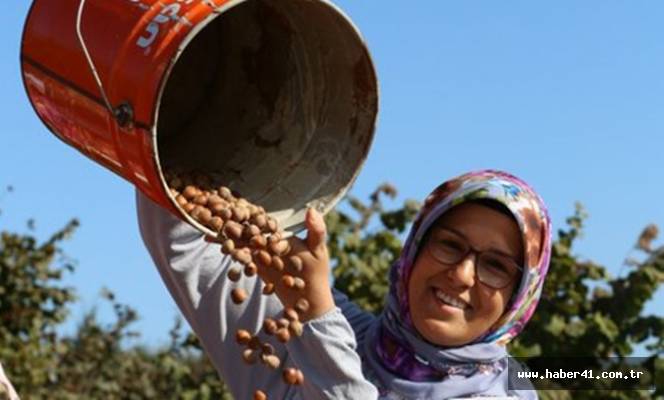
[(443, 333)]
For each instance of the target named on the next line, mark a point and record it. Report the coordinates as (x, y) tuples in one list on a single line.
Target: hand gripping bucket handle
[(277, 98)]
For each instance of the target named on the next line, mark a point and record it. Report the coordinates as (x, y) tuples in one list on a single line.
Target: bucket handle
[(123, 114)]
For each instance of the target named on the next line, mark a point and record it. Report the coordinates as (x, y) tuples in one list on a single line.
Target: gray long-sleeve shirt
[(194, 272)]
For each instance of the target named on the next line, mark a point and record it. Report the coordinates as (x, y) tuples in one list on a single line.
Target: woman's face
[(449, 306)]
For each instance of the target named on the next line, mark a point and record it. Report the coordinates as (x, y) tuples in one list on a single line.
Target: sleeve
[(326, 353), (359, 319), (194, 272)]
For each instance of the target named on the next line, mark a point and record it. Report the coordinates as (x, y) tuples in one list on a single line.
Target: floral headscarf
[(418, 364)]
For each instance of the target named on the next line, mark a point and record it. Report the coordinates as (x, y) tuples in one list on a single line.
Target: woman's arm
[(194, 271), (326, 353), (359, 319)]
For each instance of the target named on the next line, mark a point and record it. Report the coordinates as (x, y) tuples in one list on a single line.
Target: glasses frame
[(476, 255)]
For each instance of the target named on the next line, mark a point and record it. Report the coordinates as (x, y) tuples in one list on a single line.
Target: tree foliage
[(583, 311), (94, 362)]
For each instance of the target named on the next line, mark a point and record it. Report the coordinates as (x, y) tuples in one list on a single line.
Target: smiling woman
[(468, 279)]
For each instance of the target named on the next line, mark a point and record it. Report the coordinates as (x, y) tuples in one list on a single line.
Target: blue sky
[(567, 95)]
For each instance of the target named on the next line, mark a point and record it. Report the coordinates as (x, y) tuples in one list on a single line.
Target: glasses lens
[(495, 270), (447, 247)]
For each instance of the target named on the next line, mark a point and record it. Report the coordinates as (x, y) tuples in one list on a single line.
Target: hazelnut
[(204, 216), (249, 356), (215, 199), (291, 314), (288, 281), (250, 269), (277, 263), (296, 328), (283, 323), (240, 214), (283, 335), (228, 246), (225, 193), (272, 224), (226, 213), (233, 230), (234, 274), (243, 336), (296, 263), (181, 200), (268, 289), (264, 258), (238, 295), (299, 283), (271, 360), (250, 231), (196, 212), (216, 223), (270, 326), (242, 255), (290, 376), (280, 248), (302, 305), (190, 192), (260, 221), (201, 200), (217, 208), (258, 241)]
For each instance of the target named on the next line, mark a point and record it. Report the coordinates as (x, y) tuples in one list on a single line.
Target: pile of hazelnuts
[(252, 238)]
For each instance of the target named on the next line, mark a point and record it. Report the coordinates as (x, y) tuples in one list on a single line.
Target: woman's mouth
[(450, 300)]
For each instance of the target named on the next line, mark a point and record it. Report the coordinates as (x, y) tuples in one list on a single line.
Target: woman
[(468, 279)]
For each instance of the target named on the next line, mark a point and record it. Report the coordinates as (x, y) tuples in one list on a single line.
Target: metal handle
[(123, 114)]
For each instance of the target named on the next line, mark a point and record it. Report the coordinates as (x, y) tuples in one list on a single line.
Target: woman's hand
[(314, 270), (307, 261)]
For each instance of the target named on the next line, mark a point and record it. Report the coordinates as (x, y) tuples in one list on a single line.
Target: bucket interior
[(278, 99)]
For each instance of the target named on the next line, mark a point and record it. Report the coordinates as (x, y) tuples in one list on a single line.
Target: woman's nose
[(463, 273)]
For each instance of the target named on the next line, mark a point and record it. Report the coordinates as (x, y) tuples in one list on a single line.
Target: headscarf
[(418, 369)]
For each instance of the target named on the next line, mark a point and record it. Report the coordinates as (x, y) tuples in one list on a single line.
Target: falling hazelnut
[(242, 336), (238, 295)]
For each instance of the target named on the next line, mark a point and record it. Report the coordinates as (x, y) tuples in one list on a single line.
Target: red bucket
[(278, 98)]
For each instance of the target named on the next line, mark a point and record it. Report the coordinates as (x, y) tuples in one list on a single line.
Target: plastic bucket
[(279, 98)]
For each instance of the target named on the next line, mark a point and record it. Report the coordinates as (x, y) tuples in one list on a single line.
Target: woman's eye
[(497, 266), (451, 245)]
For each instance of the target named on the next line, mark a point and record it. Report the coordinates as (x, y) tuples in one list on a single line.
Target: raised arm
[(194, 272)]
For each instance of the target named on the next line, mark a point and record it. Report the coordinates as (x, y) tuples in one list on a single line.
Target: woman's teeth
[(450, 301)]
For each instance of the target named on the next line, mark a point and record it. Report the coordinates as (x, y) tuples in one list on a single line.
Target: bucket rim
[(186, 41)]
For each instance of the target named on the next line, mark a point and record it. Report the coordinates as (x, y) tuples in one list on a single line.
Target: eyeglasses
[(492, 268)]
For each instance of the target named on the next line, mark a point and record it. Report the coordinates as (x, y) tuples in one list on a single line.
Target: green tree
[(32, 305), (95, 362)]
